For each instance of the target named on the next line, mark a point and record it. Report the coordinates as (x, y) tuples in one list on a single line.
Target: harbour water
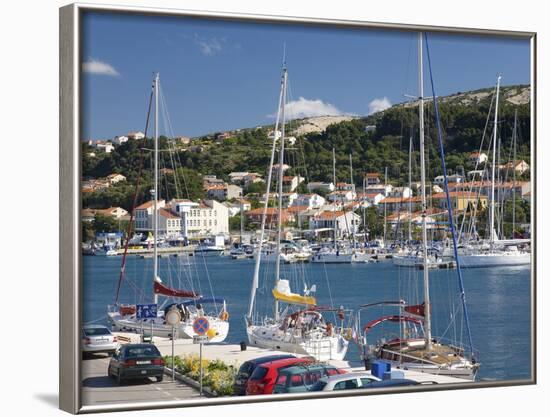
[(498, 299)]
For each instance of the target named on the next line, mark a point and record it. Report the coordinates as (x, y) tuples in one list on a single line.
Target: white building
[(440, 179), (169, 224), (309, 200), (346, 222), (101, 145), (379, 188), (136, 135), (290, 183), (119, 140), (324, 186), (342, 196), (206, 218), (114, 178), (477, 158), (404, 192), (224, 192)]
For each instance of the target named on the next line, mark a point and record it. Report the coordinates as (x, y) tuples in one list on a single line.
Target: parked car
[(135, 361), (397, 383), (98, 339), (339, 382), (248, 367), (301, 378), (264, 376)]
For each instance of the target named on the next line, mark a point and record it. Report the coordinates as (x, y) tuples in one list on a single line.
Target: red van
[(264, 376)]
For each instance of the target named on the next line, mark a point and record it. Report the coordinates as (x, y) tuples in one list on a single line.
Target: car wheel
[(110, 373), (159, 378)]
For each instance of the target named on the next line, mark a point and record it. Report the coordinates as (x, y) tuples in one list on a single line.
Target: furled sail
[(159, 288), (283, 293), (417, 310)]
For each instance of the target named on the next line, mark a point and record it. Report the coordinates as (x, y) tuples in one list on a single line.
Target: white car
[(98, 339), (339, 382)]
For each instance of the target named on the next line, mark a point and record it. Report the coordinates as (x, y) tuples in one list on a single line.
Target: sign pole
[(173, 364), (200, 374)]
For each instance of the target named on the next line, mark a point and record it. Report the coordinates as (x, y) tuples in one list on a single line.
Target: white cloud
[(209, 46), (95, 66), (379, 104), (303, 107)]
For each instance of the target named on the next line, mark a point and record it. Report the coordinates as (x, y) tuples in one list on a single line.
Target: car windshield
[(136, 351), (318, 386), (96, 331), (258, 373)]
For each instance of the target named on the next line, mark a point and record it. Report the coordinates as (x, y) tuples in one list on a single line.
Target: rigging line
[(477, 161), (134, 202), (449, 206)]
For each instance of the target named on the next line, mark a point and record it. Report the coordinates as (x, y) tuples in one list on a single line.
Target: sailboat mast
[(256, 276), (155, 188), (353, 201), (427, 305), (385, 205), (410, 187), (514, 138), (335, 230), (492, 209), (280, 215)]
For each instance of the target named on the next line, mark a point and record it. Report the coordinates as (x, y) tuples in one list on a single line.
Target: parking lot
[(99, 389)]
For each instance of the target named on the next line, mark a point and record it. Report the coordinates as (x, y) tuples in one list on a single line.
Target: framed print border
[(70, 262)]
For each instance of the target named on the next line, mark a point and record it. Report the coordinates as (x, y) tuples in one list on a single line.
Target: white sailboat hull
[(322, 348), (157, 327), (484, 260), (462, 371), (332, 258)]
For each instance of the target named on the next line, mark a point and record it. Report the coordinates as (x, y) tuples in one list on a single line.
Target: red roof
[(372, 175), (148, 204), (329, 215), (167, 214)]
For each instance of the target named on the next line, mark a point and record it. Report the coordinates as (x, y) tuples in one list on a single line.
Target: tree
[(104, 224)]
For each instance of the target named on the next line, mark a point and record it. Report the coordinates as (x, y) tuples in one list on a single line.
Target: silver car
[(339, 382), (98, 339)]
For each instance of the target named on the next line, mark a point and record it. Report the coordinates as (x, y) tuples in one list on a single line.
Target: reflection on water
[(498, 299)]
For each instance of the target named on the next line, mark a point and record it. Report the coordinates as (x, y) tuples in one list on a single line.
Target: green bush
[(217, 375)]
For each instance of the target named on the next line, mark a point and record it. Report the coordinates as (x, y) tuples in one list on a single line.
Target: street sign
[(200, 339), (201, 325), (146, 311)]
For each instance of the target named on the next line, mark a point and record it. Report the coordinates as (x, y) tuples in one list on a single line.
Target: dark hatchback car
[(135, 361), (246, 369)]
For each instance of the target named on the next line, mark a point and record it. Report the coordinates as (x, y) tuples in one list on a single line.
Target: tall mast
[(427, 305), (256, 276), (280, 215), (334, 207), (386, 204), (353, 200), (492, 210), (514, 139), (410, 187), (155, 188)]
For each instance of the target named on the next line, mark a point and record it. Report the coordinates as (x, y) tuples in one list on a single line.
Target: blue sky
[(219, 75)]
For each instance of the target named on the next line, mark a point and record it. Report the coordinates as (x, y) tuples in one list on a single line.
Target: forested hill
[(375, 142)]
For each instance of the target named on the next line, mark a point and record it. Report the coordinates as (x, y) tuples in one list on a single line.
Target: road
[(99, 389)]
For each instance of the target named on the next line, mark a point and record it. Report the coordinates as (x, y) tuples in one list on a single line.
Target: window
[(349, 384), (365, 381), (296, 381), (281, 380)]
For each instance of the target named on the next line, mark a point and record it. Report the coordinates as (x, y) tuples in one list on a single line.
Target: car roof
[(95, 326), (392, 383), (270, 358), (345, 377), (284, 362), (298, 369)]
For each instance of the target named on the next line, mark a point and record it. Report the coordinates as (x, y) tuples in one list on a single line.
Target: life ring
[(224, 315)]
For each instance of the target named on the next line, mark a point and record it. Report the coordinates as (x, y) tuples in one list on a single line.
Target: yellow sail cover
[(282, 292)]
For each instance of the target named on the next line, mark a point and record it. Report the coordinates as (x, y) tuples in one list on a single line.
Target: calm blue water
[(498, 298)]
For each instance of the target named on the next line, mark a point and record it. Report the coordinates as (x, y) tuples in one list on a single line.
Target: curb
[(206, 391)]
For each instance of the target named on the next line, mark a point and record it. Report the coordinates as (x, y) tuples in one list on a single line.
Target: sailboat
[(124, 317), (300, 327), (338, 254), (494, 252), (416, 348)]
